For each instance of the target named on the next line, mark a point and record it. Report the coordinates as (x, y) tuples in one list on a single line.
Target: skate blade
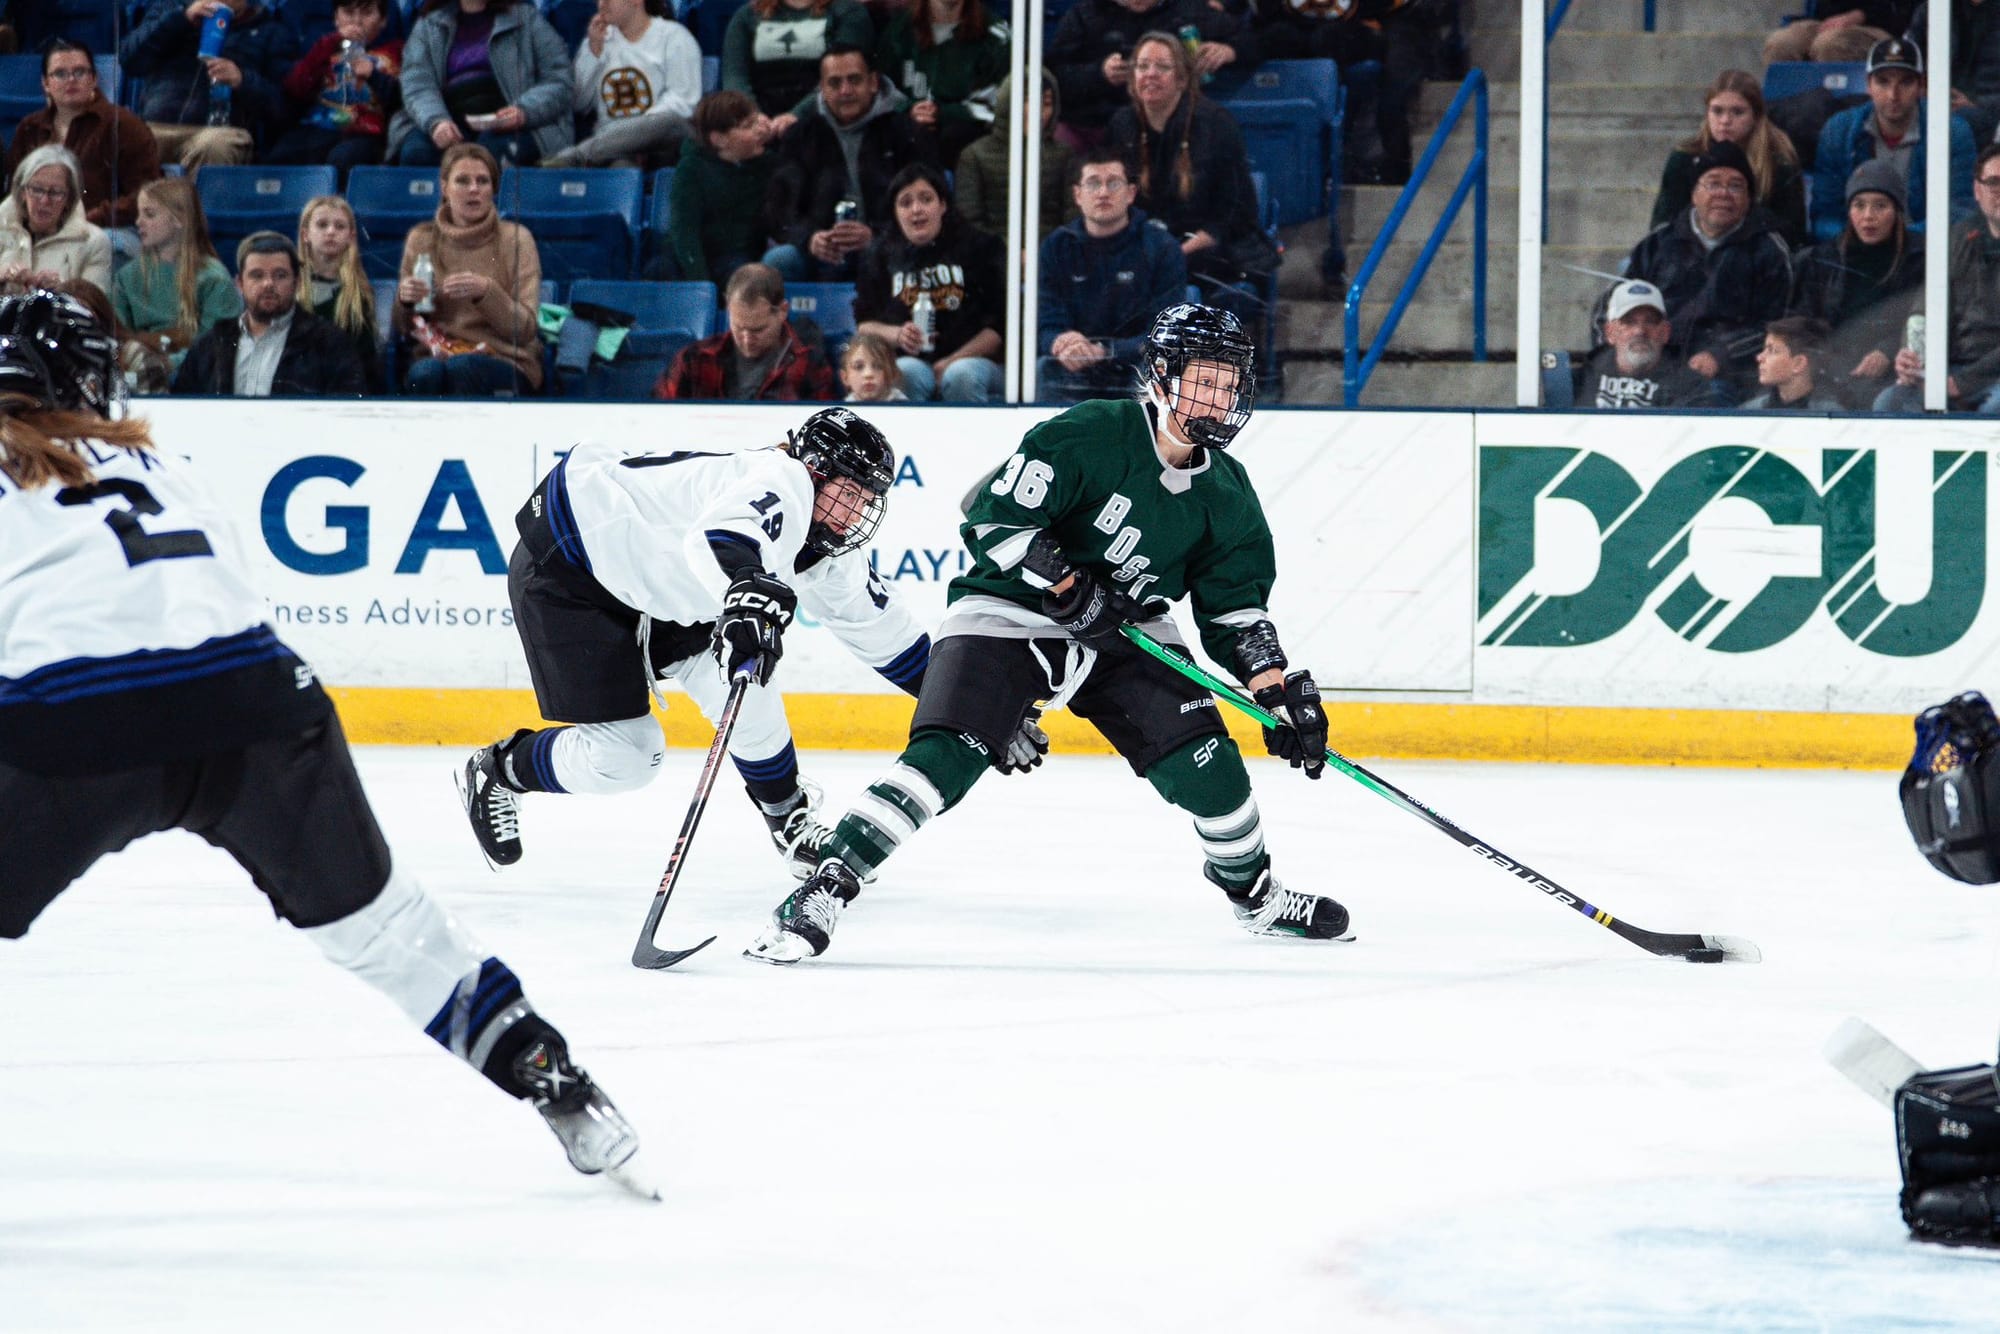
[(779, 947), (633, 1176)]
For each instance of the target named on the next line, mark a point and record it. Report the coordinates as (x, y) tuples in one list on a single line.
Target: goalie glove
[(749, 634), (1024, 750), (1300, 739)]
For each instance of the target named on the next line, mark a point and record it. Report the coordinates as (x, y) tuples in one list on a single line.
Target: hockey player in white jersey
[(689, 565), (141, 690)]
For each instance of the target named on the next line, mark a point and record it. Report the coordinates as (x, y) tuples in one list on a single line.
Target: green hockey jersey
[(1092, 478)]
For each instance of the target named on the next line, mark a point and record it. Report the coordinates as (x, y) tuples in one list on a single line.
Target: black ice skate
[(493, 808), (800, 839), (802, 927), (1957, 1213), (593, 1133), (1269, 909)]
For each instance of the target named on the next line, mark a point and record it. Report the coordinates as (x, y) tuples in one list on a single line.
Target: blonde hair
[(177, 196), (1190, 90), (1768, 147), (354, 307), (876, 350), (37, 443)]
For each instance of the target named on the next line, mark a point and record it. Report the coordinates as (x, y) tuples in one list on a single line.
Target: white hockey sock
[(600, 758), (405, 946)]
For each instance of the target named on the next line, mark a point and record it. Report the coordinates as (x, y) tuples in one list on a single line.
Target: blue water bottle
[(213, 33)]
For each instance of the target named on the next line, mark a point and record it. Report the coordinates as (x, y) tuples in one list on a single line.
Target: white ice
[(1042, 1082)]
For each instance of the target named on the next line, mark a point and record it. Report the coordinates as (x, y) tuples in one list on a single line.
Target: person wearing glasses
[(44, 238), (115, 151), (1723, 268), (1973, 347)]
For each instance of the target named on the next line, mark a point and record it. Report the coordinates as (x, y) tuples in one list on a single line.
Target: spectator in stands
[(948, 58), (486, 71), (980, 183), (1733, 112), (1838, 38), (344, 89), (212, 110), (334, 286), (177, 288), (1889, 128), (1723, 268), (1975, 62), (869, 373), (1973, 287), (275, 348), (115, 151), (774, 50), (44, 238), (928, 252), (1104, 279), (716, 220), (1194, 176), (1790, 367), (759, 357), (1635, 368), (639, 73), (474, 326), (830, 192), (1092, 53), (1863, 285)]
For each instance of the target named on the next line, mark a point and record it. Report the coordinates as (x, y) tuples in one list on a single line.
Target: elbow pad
[(1044, 567), (736, 554), (1257, 651)]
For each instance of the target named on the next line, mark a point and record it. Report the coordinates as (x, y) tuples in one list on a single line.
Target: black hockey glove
[(1301, 739), (750, 631), (1026, 747), (1092, 610)]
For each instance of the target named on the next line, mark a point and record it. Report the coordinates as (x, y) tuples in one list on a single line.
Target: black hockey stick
[(1693, 948), (646, 954)]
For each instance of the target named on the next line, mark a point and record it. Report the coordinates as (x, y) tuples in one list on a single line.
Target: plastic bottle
[(924, 315), (424, 272), (1191, 39), (213, 33), (218, 104)]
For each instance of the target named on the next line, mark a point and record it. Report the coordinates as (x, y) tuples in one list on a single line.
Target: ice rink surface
[(1042, 1082)]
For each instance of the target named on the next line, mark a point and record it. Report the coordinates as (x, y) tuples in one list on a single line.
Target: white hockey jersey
[(647, 526), (128, 631)]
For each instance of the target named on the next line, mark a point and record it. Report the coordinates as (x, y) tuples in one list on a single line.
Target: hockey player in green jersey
[(1105, 515)]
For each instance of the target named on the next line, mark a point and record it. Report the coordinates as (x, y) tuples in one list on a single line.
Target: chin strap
[(1163, 416)]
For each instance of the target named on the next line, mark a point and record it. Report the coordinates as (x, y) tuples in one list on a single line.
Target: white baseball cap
[(1630, 295)]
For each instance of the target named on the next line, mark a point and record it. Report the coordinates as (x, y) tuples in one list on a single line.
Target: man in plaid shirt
[(759, 357)]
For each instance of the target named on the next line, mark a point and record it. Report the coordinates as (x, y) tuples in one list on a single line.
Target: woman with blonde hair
[(332, 283), (1733, 112), (45, 240), (474, 320), (177, 287), (772, 48)]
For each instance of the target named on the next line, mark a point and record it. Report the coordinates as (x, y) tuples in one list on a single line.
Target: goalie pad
[(1951, 789), (1948, 1140)]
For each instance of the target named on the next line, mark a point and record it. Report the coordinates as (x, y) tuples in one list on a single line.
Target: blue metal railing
[(1561, 10), (1358, 367)]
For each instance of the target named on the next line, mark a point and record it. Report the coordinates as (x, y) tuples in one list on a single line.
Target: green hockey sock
[(1206, 779), (931, 776)]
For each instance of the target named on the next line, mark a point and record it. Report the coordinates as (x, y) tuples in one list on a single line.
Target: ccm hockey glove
[(1026, 747), (750, 631), (1301, 740)]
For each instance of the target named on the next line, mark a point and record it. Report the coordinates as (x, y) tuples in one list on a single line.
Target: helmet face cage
[(53, 349), (834, 444), (1182, 336)]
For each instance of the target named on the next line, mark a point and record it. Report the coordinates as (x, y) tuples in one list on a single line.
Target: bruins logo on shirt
[(625, 92), (1334, 10), (945, 283)]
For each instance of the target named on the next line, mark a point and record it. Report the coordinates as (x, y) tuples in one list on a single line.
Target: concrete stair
[(1619, 100)]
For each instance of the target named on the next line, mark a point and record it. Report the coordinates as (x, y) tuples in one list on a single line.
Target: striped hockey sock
[(932, 775), (1234, 846)]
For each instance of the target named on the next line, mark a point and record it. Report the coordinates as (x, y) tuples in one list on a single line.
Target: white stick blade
[(1877, 1066), (1735, 949)]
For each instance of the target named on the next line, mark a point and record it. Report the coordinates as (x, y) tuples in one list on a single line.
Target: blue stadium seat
[(241, 200), (1788, 78), (385, 328), (387, 202), (709, 21), (656, 308), (1292, 114), (1267, 207), (1558, 384), (829, 305), (630, 379), (586, 220), (571, 20), (658, 203), (711, 74)]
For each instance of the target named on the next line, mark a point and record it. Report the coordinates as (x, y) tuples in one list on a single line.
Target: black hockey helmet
[(53, 350), (835, 444), (1188, 333)]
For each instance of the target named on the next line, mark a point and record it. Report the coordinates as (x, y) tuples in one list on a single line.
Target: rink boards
[(1698, 589)]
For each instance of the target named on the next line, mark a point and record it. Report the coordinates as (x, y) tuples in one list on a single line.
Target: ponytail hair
[(37, 443)]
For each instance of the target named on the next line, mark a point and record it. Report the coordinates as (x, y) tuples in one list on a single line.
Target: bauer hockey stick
[(646, 954), (1686, 945)]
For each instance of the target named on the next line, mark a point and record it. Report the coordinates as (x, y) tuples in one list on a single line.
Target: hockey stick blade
[(1875, 1065), (647, 956), (1693, 948)]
